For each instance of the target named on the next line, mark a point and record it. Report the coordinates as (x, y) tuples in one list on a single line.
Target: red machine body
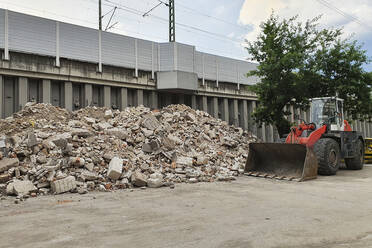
[(295, 136)]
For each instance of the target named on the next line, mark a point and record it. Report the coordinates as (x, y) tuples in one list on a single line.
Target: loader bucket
[(281, 161)]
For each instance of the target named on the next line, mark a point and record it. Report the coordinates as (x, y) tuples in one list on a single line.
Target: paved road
[(250, 212)]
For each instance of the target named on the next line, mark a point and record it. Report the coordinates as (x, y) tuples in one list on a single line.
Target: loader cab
[(327, 110)]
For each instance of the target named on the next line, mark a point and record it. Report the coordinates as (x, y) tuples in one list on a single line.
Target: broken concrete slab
[(7, 163), (89, 176)]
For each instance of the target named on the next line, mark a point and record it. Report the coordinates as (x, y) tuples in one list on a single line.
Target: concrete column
[(68, 96), (254, 125), (215, 107), (365, 129), (88, 94), (292, 114), (168, 100), (225, 112), (263, 130), (360, 126), (46, 91), (193, 101), (22, 92), (298, 113), (1, 97), (124, 98), (204, 104), (245, 115), (271, 133), (236, 113), (139, 97), (107, 96), (154, 99)]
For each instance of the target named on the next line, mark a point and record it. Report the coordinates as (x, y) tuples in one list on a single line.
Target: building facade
[(72, 66)]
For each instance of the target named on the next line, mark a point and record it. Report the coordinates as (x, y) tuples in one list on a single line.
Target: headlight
[(370, 149)]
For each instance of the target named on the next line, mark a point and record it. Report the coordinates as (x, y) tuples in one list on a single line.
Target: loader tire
[(327, 152), (357, 162)]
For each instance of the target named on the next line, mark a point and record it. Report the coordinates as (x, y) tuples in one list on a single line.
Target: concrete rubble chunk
[(138, 179), (103, 126), (90, 120), (155, 180), (7, 163), (31, 139), (151, 146), (81, 132), (186, 161), (201, 160), (77, 161), (89, 166), (115, 168), (108, 114), (137, 147), (23, 187), (59, 140), (63, 185), (168, 143), (190, 117), (4, 178), (89, 176), (150, 122), (117, 132)]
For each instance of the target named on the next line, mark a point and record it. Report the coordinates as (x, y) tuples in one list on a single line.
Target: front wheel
[(356, 163), (327, 152)]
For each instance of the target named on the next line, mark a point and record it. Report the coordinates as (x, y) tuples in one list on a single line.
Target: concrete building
[(73, 66)]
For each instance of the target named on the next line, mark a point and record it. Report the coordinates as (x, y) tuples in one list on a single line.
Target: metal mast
[(99, 15), (172, 22)]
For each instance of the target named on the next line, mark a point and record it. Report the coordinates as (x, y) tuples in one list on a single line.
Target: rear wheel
[(356, 163), (327, 152)]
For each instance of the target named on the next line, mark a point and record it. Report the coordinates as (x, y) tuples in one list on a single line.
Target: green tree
[(298, 61)]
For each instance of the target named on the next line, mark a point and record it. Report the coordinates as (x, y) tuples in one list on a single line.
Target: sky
[(213, 26)]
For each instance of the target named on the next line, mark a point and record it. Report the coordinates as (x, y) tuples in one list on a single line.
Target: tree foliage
[(298, 61)]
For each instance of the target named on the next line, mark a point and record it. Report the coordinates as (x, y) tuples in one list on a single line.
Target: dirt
[(249, 212)]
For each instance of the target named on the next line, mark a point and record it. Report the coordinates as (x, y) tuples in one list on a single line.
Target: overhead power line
[(211, 16), (185, 26), (346, 15)]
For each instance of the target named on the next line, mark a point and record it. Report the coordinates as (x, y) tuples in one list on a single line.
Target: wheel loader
[(310, 148)]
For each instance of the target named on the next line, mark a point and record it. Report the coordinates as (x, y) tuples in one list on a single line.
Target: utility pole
[(172, 22), (172, 18), (100, 15)]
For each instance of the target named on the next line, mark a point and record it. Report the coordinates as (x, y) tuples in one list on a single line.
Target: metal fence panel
[(31, 34), (79, 43), (144, 54), (210, 69), (118, 50), (2, 27), (198, 60), (166, 56), (185, 57), (227, 69)]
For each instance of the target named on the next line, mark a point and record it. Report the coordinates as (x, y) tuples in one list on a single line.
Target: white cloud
[(254, 12)]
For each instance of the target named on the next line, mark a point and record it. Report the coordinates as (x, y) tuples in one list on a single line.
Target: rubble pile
[(46, 149)]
